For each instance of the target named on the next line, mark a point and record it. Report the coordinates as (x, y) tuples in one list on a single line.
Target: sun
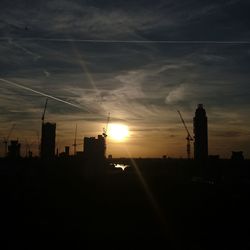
[(118, 132)]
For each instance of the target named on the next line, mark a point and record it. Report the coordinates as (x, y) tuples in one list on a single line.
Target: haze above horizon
[(139, 60)]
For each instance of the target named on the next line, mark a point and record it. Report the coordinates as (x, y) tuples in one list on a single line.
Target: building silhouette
[(14, 149), (65, 153), (200, 134), (237, 156), (66, 150), (48, 140), (94, 148)]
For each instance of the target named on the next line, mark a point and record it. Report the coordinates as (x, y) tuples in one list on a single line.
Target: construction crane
[(74, 145), (45, 107), (105, 130), (43, 117), (6, 139), (28, 146), (188, 138)]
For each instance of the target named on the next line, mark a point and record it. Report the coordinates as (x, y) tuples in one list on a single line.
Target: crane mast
[(6, 139), (45, 107), (188, 138), (43, 117), (105, 130), (74, 145)]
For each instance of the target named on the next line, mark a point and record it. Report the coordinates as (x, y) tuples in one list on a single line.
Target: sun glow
[(118, 132)]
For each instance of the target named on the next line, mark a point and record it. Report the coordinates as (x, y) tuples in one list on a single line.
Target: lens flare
[(118, 132)]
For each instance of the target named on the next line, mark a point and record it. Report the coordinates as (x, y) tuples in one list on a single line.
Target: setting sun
[(118, 132)]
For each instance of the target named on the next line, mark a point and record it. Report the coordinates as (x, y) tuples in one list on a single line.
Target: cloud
[(46, 73), (175, 20), (25, 50), (178, 94), (73, 19), (140, 84), (230, 134)]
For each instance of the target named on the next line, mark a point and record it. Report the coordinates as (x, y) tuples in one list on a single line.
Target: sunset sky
[(139, 60)]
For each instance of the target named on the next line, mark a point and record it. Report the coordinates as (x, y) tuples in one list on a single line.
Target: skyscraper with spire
[(200, 134)]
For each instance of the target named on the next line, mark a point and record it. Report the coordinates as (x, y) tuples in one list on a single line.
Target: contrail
[(129, 41), (42, 94), (29, 52), (57, 99)]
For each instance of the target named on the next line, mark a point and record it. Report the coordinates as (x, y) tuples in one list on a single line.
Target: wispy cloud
[(91, 54), (25, 50)]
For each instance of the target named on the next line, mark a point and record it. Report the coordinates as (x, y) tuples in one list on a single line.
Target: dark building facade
[(65, 153), (14, 149), (66, 150), (94, 148), (200, 134), (48, 141), (237, 156)]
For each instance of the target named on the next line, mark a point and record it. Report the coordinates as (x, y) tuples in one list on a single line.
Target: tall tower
[(200, 134), (48, 141)]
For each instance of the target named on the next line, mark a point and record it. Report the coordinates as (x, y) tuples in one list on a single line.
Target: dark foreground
[(172, 202)]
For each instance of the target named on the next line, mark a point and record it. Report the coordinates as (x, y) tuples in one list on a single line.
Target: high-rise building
[(200, 134), (94, 148), (48, 140)]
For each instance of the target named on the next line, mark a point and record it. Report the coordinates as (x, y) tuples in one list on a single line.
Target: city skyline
[(96, 58)]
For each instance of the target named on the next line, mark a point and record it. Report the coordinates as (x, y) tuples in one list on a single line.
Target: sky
[(140, 60)]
